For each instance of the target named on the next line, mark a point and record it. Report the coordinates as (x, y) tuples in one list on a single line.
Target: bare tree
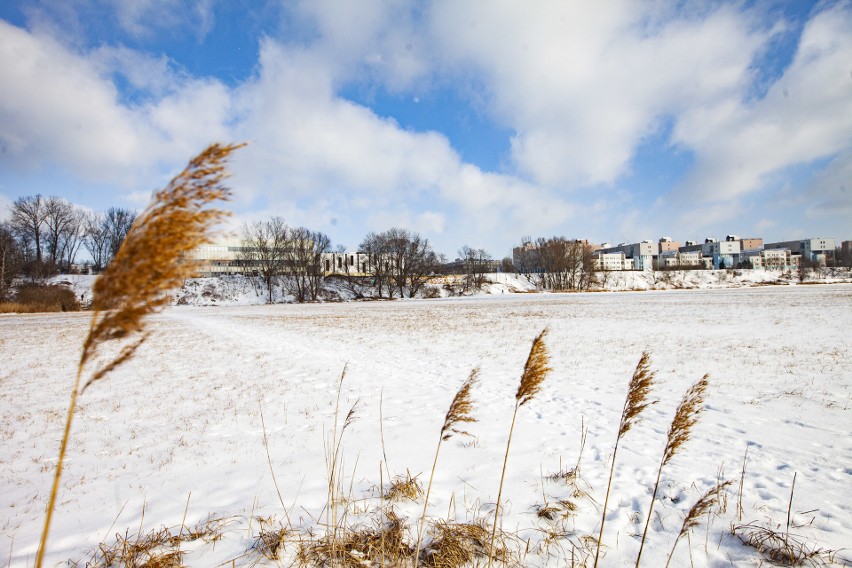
[(10, 258), (28, 218), (72, 239), (117, 223), (507, 266), (264, 249), (64, 229), (303, 256), (377, 251), (412, 261), (476, 263), (96, 239), (566, 264)]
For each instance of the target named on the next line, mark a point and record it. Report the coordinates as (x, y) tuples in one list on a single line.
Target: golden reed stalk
[(686, 416), (460, 411), (634, 404), (150, 262), (535, 371), (698, 511)]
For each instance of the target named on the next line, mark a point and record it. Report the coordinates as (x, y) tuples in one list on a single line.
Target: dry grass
[(535, 371), (699, 510), (460, 412), (781, 548), (454, 545), (149, 263), (686, 416), (637, 394), (634, 404), (31, 299), (16, 308), (404, 487), (269, 542), (381, 545), (155, 549)]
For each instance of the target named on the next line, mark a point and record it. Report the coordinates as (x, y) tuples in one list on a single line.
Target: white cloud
[(54, 105), (803, 117), (582, 83), (61, 108)]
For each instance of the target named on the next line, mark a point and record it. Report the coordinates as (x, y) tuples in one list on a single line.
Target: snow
[(181, 421)]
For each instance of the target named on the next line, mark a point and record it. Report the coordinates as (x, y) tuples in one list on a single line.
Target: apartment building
[(640, 254), (815, 249)]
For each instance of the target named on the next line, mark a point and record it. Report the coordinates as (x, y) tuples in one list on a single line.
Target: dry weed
[(149, 263), (634, 404), (781, 548), (686, 416), (404, 487), (155, 549), (455, 545), (535, 371), (269, 542), (383, 545)]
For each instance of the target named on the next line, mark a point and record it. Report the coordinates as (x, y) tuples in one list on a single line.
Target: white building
[(612, 261), (815, 249), (641, 255)]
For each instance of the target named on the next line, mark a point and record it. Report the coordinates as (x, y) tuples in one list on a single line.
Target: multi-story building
[(612, 261), (751, 243), (227, 255), (724, 254), (815, 249), (678, 259), (666, 244), (641, 254), (770, 259)]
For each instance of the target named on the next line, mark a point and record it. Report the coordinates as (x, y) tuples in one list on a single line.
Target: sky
[(471, 122)]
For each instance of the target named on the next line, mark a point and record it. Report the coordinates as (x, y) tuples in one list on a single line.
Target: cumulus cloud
[(582, 83), (62, 108), (804, 116)]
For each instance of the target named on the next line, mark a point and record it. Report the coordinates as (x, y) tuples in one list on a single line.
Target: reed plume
[(698, 511), (150, 262), (460, 412), (686, 416), (634, 404), (535, 371)]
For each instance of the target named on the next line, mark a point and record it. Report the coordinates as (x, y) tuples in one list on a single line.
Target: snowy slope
[(181, 422)]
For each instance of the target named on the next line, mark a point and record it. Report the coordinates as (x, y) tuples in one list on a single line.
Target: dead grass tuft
[(404, 487), (269, 542), (558, 510), (155, 549), (455, 545), (383, 545), (781, 548)]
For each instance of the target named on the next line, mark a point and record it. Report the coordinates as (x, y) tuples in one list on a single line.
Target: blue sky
[(474, 123)]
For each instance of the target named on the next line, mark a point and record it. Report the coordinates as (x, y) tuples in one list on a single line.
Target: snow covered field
[(181, 421)]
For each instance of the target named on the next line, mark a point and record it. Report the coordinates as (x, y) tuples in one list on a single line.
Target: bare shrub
[(47, 298)]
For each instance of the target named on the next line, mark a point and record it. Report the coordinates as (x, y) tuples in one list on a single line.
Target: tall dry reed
[(634, 404), (698, 511), (535, 371), (150, 262), (459, 413), (686, 416)]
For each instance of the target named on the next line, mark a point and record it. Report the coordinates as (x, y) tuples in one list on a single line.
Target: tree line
[(558, 263), (395, 263), (44, 235)]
